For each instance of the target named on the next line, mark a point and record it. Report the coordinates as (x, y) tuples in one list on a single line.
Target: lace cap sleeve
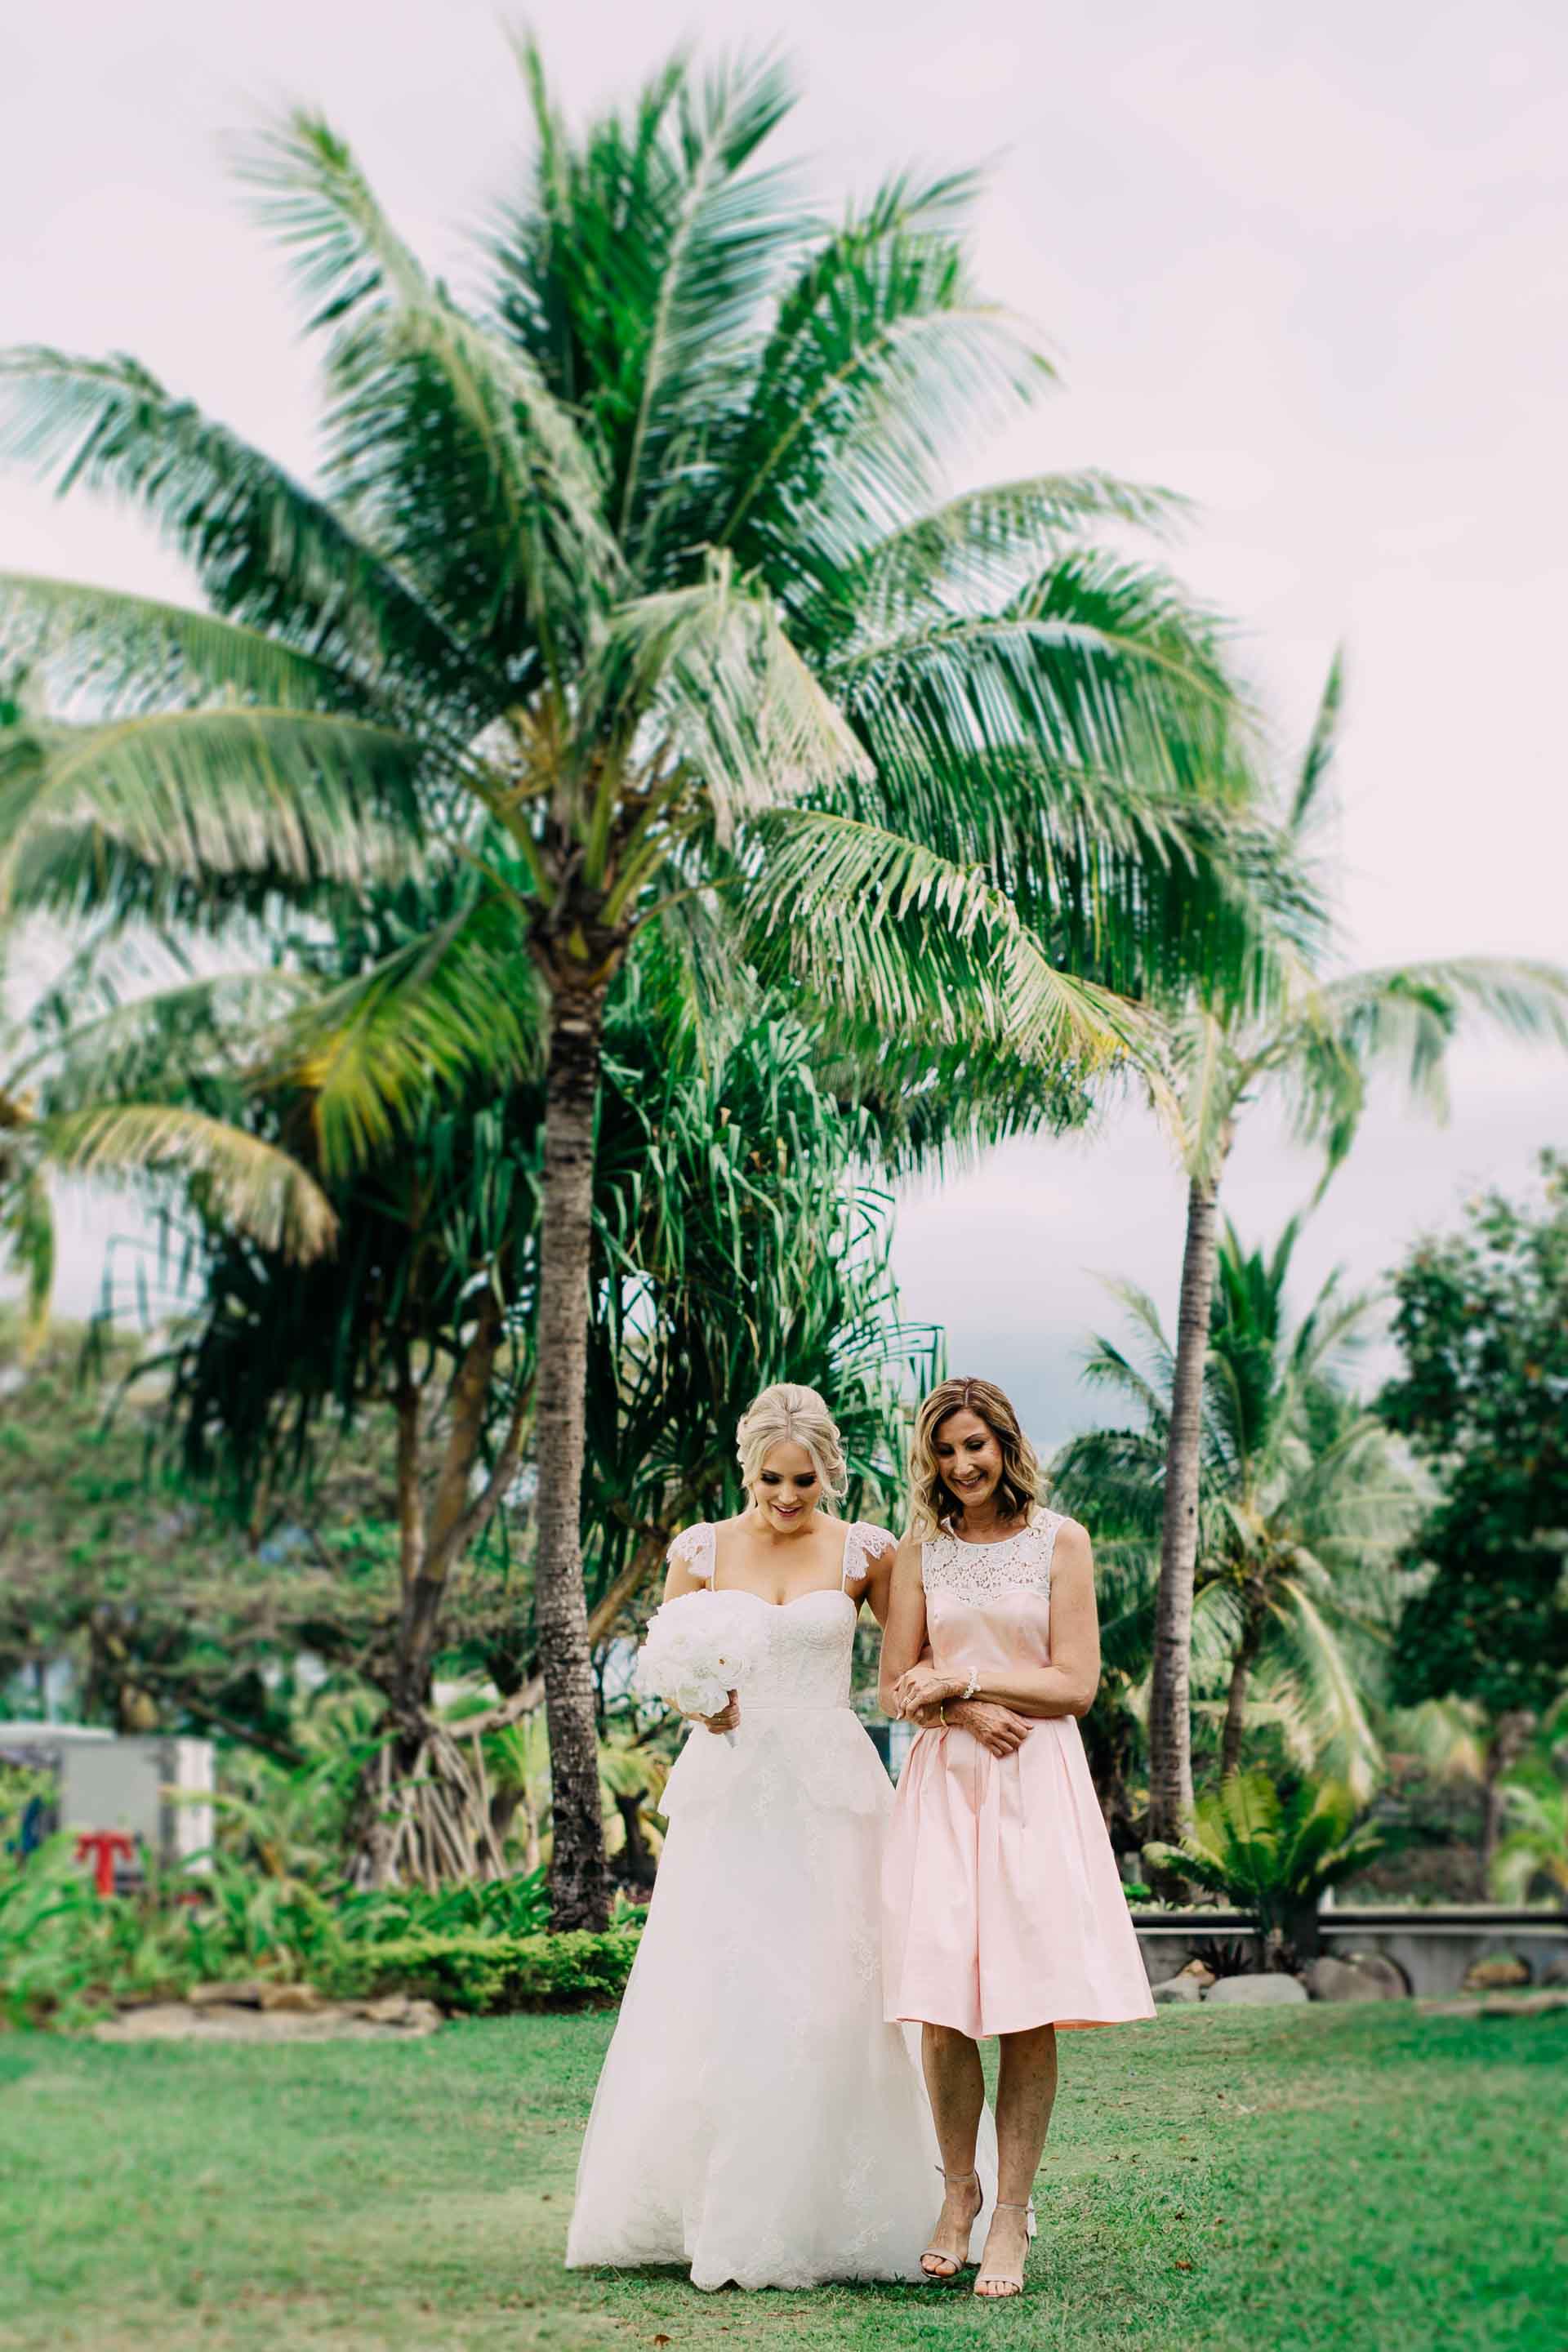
[(692, 1550), (863, 1543)]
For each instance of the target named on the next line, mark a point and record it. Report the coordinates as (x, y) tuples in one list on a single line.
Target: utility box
[(130, 1784)]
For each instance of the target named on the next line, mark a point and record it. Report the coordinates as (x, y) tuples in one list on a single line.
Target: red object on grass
[(103, 1845)]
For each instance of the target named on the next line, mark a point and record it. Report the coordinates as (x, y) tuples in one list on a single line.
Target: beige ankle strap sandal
[(1001, 2286), (940, 2254)]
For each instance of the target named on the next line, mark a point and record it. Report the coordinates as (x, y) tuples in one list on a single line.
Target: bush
[(484, 1975), (1273, 1855)]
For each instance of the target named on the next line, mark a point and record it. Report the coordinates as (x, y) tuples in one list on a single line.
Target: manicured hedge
[(484, 1975)]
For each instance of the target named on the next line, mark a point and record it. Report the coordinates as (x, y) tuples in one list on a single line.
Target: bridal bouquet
[(696, 1652)]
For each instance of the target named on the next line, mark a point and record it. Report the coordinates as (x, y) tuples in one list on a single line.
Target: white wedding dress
[(756, 2117)]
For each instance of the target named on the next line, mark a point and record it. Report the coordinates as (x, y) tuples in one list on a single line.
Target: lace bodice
[(979, 1573), (803, 1649)]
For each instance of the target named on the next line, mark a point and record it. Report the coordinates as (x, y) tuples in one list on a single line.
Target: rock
[(300, 2000), (1495, 1974), (1502, 2004), (399, 2008), (1177, 1990), (1327, 1978), (1267, 1991), (1383, 1971), (247, 1995), (1198, 1972), (1555, 1972), (217, 2022), (1525, 2004)]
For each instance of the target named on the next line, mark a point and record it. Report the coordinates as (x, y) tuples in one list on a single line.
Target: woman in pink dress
[(1003, 1912)]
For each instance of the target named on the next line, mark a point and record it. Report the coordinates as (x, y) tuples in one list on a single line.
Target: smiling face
[(787, 1488), (968, 1457)]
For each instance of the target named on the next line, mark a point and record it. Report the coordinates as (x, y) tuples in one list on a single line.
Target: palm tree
[(134, 1094), (1305, 1502), (631, 594), (1313, 1049)]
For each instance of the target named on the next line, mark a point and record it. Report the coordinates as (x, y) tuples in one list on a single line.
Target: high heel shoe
[(1005, 2285), (939, 2253)]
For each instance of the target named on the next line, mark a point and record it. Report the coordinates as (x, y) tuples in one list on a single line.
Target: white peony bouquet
[(696, 1653)]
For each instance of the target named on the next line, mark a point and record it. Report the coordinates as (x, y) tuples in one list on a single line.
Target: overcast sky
[(1313, 274)]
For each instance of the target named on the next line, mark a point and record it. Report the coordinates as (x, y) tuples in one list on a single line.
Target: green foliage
[(1303, 1506), (1534, 1853), (64, 1950), (1481, 1321), (484, 1974), (1270, 1854)]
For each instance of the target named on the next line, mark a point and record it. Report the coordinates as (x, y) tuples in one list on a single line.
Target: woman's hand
[(997, 1728), (922, 1687), (727, 1719)]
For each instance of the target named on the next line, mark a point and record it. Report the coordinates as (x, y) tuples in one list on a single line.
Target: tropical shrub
[(1535, 1850), (67, 1952), (1272, 1854), (486, 1976)]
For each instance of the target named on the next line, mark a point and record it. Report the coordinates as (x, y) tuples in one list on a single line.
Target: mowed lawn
[(1277, 2181)]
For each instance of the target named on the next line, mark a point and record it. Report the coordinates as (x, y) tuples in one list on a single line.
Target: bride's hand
[(727, 1719), (923, 1686)]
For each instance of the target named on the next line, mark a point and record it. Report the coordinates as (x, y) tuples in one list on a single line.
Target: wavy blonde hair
[(932, 1503), (787, 1414)]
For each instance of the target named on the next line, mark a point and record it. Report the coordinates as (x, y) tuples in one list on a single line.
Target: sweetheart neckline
[(832, 1591)]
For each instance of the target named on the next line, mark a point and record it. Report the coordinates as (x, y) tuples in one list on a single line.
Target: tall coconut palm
[(1314, 1051), (1305, 1502), (631, 591)]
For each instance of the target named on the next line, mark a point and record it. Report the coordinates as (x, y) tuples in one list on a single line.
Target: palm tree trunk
[(1170, 1720), (1241, 1667), (579, 1883)]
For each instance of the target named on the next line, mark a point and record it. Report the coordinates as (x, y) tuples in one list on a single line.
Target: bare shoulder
[(1072, 1548)]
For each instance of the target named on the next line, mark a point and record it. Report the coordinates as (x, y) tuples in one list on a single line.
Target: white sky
[(1313, 274)]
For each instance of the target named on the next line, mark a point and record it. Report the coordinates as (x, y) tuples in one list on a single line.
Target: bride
[(756, 2117)]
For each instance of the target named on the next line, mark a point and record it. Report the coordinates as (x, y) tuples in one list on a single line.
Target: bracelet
[(941, 1711), (973, 1683)]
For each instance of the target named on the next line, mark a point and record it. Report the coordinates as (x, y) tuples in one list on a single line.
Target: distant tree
[(1482, 1324), (1312, 1044), (1304, 1502)]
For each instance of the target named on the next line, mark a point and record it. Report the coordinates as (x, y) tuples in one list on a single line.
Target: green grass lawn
[(1281, 2182)]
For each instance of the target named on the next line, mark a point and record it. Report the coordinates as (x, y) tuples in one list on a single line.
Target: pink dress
[(1002, 1908)]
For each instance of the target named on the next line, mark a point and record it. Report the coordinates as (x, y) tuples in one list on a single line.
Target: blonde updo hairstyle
[(787, 1414), (932, 1503)]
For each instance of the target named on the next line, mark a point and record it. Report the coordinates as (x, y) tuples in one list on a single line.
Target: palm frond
[(1322, 745), (427, 397), (247, 1182), (847, 886), (454, 1000), (985, 544), (299, 796), (266, 552), (879, 357), (127, 652), (712, 667)]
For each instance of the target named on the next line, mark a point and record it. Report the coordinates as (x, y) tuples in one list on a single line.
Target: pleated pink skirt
[(1002, 1908)]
